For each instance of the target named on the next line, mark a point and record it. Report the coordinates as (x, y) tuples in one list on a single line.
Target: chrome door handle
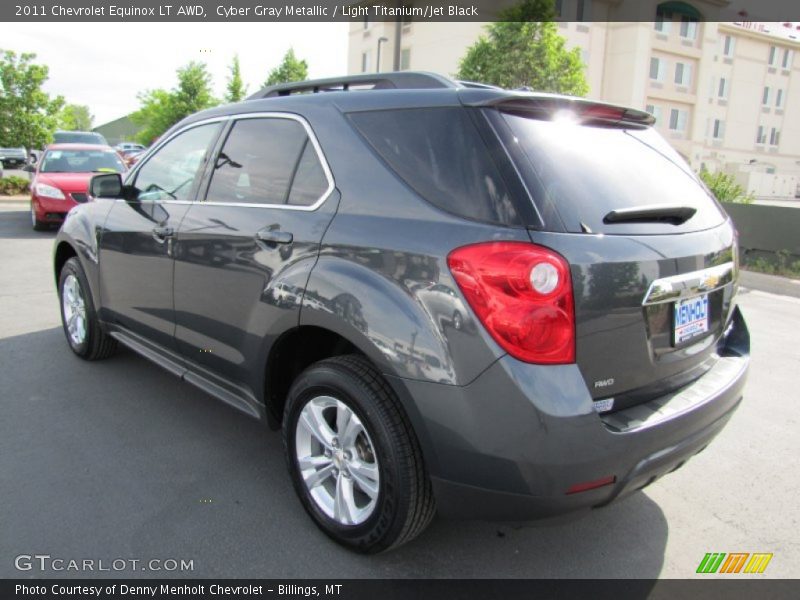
[(274, 236), (162, 233)]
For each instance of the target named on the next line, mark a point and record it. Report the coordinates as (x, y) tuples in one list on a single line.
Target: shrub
[(12, 185), (725, 188)]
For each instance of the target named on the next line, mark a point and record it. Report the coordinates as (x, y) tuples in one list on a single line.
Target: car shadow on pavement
[(119, 459), (16, 224)]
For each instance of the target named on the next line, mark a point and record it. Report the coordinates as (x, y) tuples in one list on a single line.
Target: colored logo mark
[(734, 562)]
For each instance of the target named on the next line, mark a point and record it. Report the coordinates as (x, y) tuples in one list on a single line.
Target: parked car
[(61, 179), (490, 303), (13, 158), (131, 158), (79, 137), (129, 147)]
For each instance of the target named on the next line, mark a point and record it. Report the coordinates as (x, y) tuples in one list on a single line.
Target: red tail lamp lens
[(522, 294)]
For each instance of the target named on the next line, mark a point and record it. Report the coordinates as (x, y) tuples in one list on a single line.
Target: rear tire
[(367, 490), (84, 334)]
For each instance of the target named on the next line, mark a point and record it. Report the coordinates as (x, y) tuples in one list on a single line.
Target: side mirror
[(29, 169), (107, 185)]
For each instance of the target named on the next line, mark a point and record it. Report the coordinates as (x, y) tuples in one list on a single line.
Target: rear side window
[(583, 172), (267, 161), (441, 155)]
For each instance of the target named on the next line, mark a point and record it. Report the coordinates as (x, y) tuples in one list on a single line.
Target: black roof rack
[(399, 80)]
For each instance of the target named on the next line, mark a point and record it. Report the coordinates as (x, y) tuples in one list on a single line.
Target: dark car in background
[(79, 137), (13, 158), (61, 179), (481, 302)]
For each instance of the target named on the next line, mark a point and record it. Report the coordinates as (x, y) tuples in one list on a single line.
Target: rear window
[(583, 172), (441, 155)]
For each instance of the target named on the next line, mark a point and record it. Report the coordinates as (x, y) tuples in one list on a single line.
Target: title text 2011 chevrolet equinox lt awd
[(450, 297)]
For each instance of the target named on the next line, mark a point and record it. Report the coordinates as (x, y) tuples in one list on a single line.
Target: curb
[(774, 284)]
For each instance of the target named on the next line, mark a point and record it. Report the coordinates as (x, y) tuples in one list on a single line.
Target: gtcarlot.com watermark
[(48, 563)]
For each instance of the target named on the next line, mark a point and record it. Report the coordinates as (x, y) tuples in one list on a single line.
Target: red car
[(62, 179)]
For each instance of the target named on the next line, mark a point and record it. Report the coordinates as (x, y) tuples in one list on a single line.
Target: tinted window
[(263, 160), (170, 173), (584, 172), (309, 180), (439, 153), (77, 137)]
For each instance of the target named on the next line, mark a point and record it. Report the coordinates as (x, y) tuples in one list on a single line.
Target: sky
[(105, 65)]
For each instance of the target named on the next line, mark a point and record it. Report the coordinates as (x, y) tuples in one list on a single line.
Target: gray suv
[(449, 297)]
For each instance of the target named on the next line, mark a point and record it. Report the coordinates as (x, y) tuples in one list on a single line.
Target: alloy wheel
[(337, 460), (74, 308)]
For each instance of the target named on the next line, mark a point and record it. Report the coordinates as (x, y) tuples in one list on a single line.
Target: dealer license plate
[(690, 318)]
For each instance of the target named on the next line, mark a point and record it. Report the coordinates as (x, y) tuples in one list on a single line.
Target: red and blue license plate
[(690, 318)]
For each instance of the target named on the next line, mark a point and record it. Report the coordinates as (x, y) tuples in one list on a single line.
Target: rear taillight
[(522, 293)]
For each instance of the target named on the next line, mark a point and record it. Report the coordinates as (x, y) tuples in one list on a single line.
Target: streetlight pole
[(381, 40)]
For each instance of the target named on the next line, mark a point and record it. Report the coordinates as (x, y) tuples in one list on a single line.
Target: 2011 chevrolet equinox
[(450, 297)]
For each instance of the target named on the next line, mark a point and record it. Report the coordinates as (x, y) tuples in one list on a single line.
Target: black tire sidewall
[(73, 267), (327, 380)]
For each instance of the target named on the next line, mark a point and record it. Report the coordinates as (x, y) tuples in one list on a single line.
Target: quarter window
[(170, 174), (267, 161)]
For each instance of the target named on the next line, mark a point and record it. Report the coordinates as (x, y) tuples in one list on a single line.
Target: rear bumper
[(512, 444)]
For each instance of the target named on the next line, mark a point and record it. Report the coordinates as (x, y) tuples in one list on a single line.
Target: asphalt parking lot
[(119, 459)]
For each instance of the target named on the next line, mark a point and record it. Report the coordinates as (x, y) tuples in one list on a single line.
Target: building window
[(788, 55), (559, 8), (677, 119), (683, 74), (722, 90), (765, 96), (365, 61), (779, 99), (584, 10), (663, 22), (773, 56), (728, 46), (761, 136), (688, 28), (774, 137), (405, 59), (719, 129), (657, 68), (655, 111)]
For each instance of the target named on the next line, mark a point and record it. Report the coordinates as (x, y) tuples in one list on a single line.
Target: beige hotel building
[(725, 94)]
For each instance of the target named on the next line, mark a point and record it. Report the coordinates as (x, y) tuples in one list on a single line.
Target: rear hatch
[(651, 252)]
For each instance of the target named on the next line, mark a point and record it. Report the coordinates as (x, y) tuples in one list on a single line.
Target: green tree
[(290, 69), (28, 115), (725, 188), (75, 117), (161, 109), (236, 90), (524, 49)]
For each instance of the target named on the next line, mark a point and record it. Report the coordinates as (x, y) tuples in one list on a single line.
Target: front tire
[(84, 334), (354, 460)]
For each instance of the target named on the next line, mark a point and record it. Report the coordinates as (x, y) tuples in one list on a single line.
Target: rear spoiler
[(550, 106)]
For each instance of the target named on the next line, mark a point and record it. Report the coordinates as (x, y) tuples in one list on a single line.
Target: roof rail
[(400, 80)]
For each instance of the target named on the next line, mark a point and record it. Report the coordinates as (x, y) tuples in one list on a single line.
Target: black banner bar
[(373, 10), (382, 589)]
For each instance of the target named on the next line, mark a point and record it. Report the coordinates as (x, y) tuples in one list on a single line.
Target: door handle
[(274, 236), (162, 233)]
